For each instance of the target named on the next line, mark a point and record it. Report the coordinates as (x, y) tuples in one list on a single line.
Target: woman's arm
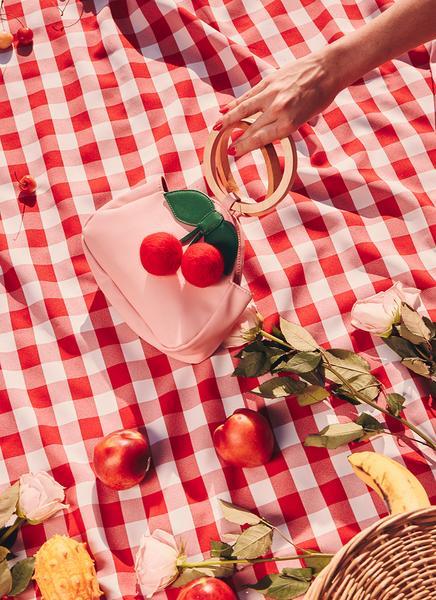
[(295, 93)]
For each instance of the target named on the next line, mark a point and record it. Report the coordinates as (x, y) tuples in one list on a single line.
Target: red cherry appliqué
[(202, 265), (161, 253), (24, 36), (27, 184)]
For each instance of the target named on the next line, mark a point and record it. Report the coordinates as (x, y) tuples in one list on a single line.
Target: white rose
[(379, 312), (40, 497), (156, 562), (245, 329)]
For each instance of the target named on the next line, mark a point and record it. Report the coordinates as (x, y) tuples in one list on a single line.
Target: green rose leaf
[(395, 403), (5, 579), (346, 363), (3, 553), (210, 571), (279, 387), (312, 394), (302, 574), (317, 563), (302, 362), (189, 575), (336, 435), (253, 542), (417, 365), (369, 423), (21, 575), (219, 549), (252, 364), (364, 383), (316, 377), (297, 336), (431, 326), (238, 515), (413, 323), (401, 346), (8, 503), (410, 337), (284, 586)]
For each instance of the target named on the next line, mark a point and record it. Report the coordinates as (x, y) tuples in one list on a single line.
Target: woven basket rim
[(326, 576)]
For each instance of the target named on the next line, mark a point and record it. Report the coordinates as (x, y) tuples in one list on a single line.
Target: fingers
[(272, 131), (248, 94), (245, 109), (261, 122)]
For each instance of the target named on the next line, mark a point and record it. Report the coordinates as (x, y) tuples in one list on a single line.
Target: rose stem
[(357, 394), (282, 535), (251, 561), (11, 530), (365, 400)]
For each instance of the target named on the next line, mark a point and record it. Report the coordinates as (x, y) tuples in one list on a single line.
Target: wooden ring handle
[(222, 183)]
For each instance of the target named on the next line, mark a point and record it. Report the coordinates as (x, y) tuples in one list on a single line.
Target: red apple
[(122, 458), (245, 439), (207, 588)]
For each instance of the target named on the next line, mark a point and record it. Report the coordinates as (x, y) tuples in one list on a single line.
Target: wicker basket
[(394, 559)]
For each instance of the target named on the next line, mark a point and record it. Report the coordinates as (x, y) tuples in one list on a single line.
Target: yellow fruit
[(6, 40), (65, 571), (395, 484)]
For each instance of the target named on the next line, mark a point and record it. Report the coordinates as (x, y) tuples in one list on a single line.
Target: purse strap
[(222, 183)]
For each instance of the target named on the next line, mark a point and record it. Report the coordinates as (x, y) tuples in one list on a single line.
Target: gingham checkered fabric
[(129, 89)]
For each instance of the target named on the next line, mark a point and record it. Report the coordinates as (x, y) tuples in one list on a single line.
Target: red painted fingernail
[(231, 151), (224, 109), (237, 134), (217, 126)]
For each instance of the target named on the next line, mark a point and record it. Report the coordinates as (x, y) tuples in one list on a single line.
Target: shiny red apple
[(245, 439), (122, 458), (207, 588)]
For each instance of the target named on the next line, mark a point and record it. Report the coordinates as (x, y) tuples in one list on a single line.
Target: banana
[(395, 484)]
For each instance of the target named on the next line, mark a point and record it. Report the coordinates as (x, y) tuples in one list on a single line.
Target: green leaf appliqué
[(189, 206), (192, 207)]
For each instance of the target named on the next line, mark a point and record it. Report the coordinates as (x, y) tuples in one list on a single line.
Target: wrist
[(346, 61)]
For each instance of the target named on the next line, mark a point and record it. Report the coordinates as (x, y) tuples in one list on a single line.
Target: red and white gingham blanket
[(128, 91)]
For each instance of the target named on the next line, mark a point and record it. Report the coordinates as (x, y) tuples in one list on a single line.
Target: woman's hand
[(293, 94), (286, 99)]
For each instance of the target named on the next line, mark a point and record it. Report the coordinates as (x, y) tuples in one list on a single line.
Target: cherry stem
[(61, 12)]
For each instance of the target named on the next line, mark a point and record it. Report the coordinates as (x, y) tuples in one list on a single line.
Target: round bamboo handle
[(222, 183)]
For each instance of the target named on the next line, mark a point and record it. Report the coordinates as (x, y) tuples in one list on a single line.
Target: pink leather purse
[(184, 321)]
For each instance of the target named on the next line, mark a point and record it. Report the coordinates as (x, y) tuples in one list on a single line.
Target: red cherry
[(27, 184), (24, 36), (202, 265), (207, 588), (161, 253), (245, 439)]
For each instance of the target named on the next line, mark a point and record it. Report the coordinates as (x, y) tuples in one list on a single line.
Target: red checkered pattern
[(112, 93)]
